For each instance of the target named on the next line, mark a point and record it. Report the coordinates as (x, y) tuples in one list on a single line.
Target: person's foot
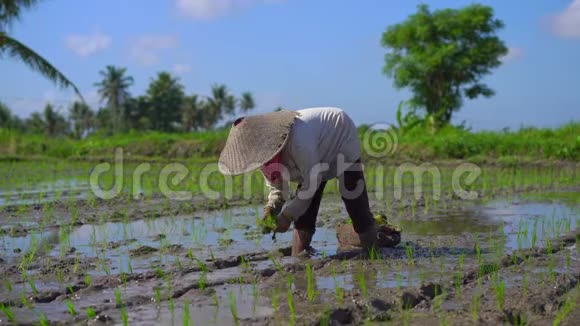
[(369, 238), (300, 241)]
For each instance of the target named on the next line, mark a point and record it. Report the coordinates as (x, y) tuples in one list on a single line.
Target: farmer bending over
[(309, 147)]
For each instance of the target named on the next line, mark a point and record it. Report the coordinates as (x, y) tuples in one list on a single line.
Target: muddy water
[(193, 261)]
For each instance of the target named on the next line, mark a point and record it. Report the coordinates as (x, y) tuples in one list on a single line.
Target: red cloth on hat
[(272, 169)]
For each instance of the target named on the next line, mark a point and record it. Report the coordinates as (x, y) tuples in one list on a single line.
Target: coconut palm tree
[(82, 118), (191, 110), (247, 102), (10, 47), (216, 105), (114, 89)]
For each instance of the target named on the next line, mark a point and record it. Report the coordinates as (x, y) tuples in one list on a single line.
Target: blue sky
[(292, 53)]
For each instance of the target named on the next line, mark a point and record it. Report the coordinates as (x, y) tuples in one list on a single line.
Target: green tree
[(191, 112), (35, 124), (82, 118), (247, 102), (165, 94), (137, 113), (10, 11), (103, 120), (114, 89), (442, 56), (216, 105), (54, 122), (5, 116)]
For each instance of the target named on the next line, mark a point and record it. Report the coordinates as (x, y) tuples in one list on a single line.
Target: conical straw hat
[(254, 140)]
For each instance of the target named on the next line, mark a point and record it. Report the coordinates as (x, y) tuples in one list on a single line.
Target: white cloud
[(513, 54), (145, 49), (181, 68), (209, 9), (566, 24), (87, 45)]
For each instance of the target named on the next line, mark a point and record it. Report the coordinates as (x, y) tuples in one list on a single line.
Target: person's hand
[(268, 222)]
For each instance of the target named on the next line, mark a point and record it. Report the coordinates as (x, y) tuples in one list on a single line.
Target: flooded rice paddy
[(511, 256)]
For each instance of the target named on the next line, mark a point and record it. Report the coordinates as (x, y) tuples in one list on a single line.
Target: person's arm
[(306, 160), (276, 197)]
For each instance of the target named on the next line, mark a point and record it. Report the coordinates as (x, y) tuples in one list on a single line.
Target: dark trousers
[(356, 202)]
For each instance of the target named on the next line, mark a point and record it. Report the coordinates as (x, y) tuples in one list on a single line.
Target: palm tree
[(247, 102), (10, 11), (215, 106), (113, 89), (191, 112), (82, 118), (230, 105), (55, 123)]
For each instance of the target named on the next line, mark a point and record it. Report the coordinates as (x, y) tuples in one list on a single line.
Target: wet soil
[(502, 260)]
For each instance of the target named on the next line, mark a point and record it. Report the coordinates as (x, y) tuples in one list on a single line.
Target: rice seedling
[(338, 292), (276, 300), (26, 301), (7, 312), (362, 282), (311, 283), (30, 281), (8, 285), (124, 316), (171, 306), (431, 252), (566, 307), (190, 254), (399, 276), (91, 313), (186, 317), (42, 319), (157, 294), (201, 281), (276, 264), (475, 303), (233, 307), (118, 300), (499, 288), (71, 308), (290, 298), (410, 252)]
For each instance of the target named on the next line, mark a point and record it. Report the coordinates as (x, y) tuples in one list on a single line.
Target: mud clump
[(339, 316), (381, 305), (159, 237), (46, 297), (117, 244), (143, 251), (15, 231), (430, 290), (514, 317), (225, 242), (174, 248), (410, 299)]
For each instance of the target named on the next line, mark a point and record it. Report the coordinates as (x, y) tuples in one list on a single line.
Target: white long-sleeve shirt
[(323, 142)]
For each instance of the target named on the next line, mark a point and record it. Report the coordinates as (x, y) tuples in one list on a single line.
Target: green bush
[(450, 142)]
